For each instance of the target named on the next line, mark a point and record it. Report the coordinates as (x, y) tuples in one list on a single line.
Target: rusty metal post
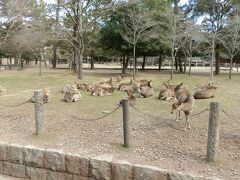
[(126, 134)]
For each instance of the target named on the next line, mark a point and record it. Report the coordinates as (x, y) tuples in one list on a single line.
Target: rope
[(230, 116), (151, 116), (91, 119), (204, 110), (18, 104), (146, 114)]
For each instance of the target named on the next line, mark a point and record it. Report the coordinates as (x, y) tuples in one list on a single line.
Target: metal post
[(213, 132), (39, 118), (125, 105)]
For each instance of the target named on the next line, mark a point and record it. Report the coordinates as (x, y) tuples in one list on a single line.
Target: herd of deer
[(181, 97)]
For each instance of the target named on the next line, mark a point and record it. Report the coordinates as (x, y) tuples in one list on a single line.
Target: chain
[(18, 104), (91, 119)]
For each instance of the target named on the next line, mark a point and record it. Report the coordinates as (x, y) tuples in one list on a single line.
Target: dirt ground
[(157, 141)]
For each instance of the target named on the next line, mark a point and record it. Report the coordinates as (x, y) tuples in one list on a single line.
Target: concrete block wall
[(33, 163)]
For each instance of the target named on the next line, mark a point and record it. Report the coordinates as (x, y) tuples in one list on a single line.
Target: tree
[(11, 12), (230, 37), (138, 25), (215, 12), (79, 17), (173, 28)]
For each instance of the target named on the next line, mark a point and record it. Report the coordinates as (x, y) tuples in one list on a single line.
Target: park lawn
[(156, 138), (21, 85)]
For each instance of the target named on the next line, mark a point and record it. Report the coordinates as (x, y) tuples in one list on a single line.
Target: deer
[(168, 93), (3, 90), (46, 96), (72, 94), (82, 86), (131, 98), (146, 91), (183, 101), (205, 92), (102, 91)]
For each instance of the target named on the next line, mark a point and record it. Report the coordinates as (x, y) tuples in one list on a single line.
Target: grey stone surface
[(122, 170), (3, 151), (15, 153), (51, 175), (12, 169), (149, 173), (1, 167), (33, 156), (100, 167), (77, 165), (76, 177), (36, 173), (180, 176), (54, 160)]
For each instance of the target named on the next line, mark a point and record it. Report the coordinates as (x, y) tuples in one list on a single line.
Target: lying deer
[(146, 91), (72, 94), (131, 98), (3, 90), (184, 101), (205, 92), (46, 96), (82, 86), (102, 91), (168, 93)]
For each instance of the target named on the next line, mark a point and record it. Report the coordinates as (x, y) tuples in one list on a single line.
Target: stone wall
[(29, 162)]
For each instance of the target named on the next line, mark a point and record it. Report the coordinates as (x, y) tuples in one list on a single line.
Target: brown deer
[(146, 91), (46, 96), (82, 86), (72, 94), (184, 101), (205, 92), (168, 93), (131, 98), (102, 91), (3, 90)]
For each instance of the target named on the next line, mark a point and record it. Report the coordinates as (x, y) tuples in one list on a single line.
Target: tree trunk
[(172, 63), (92, 61), (185, 66), (180, 65), (54, 62), (213, 56), (40, 66), (190, 66), (143, 63), (124, 67), (134, 62), (176, 63), (160, 62), (231, 65), (217, 60)]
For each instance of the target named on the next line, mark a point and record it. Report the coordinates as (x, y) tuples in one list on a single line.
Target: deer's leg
[(178, 113), (187, 125)]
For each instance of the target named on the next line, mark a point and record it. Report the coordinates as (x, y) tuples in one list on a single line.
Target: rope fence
[(20, 104), (90, 119)]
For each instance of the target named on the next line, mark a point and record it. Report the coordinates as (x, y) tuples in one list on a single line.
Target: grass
[(22, 83)]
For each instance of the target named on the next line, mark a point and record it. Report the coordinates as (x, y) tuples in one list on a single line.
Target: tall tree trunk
[(124, 67), (180, 65), (92, 61), (134, 62), (40, 66), (172, 63), (159, 62), (213, 56), (54, 62), (231, 65), (143, 63), (190, 66), (217, 59), (176, 63)]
